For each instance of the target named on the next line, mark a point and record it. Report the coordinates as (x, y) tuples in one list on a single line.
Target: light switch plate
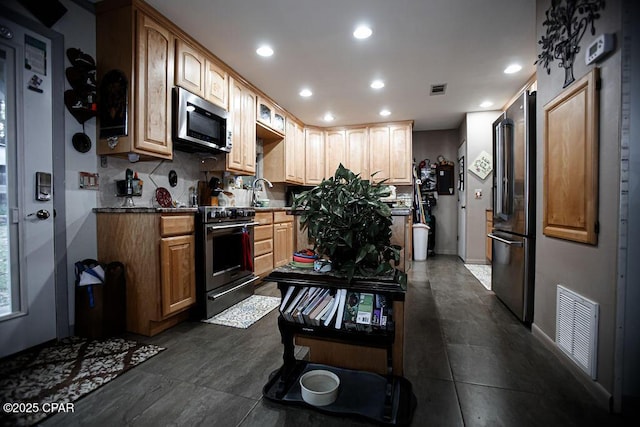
[(89, 180), (478, 193)]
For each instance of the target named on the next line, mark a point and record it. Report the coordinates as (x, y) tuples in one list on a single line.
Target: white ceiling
[(415, 43)]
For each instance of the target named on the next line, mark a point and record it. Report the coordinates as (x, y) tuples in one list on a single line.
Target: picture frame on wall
[(482, 166)]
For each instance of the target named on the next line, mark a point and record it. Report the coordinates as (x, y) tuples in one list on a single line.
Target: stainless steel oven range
[(224, 258)]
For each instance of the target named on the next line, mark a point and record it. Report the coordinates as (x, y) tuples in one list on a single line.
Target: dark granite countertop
[(143, 210), (394, 211)]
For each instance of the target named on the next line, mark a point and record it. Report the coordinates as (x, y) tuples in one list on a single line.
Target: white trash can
[(420, 240)]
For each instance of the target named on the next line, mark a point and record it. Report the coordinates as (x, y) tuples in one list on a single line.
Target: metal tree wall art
[(566, 22)]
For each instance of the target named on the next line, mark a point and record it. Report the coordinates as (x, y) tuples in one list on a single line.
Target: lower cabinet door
[(177, 257), (282, 244)]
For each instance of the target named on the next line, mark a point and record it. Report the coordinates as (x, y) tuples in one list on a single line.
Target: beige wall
[(588, 270), (479, 137), (429, 145)]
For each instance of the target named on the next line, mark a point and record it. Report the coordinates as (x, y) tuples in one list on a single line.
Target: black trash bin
[(101, 308)]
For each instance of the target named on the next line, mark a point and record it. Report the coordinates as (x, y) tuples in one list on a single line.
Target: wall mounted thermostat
[(602, 45)]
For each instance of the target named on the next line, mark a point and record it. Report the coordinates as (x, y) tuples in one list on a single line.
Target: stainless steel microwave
[(199, 126)]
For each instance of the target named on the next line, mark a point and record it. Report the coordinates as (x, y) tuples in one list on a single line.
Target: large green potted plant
[(350, 225)]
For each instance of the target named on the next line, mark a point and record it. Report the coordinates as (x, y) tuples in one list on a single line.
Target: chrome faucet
[(254, 199)]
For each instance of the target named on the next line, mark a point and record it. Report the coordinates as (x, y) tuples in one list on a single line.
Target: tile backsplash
[(154, 174)]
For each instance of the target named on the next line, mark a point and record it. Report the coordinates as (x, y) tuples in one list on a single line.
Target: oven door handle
[(227, 226), (213, 297)]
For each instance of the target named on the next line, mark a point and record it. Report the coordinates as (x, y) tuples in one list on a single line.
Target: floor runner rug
[(246, 312), (482, 273), (61, 373)]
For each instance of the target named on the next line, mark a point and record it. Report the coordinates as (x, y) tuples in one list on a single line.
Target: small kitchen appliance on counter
[(224, 258), (129, 188)]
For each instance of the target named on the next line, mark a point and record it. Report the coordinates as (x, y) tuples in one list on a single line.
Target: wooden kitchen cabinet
[(200, 74), (158, 251), (282, 239), (391, 153), (379, 152), (400, 154), (336, 151), (263, 244), (190, 68), (357, 140), (299, 153), (314, 151), (177, 257), (216, 84), (131, 38), (242, 112), (268, 114), (284, 157)]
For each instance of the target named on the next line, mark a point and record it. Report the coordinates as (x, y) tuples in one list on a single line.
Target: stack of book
[(342, 308)]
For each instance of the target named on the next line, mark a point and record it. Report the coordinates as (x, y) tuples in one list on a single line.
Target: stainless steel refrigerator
[(513, 235)]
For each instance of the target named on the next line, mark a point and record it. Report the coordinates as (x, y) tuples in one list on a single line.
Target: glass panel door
[(9, 286)]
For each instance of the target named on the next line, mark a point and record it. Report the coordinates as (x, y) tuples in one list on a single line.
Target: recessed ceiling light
[(328, 117), (264, 50), (486, 104), (385, 112), (377, 84), (513, 68), (362, 32), (306, 93)]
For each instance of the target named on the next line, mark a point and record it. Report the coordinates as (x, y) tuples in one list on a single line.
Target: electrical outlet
[(478, 193), (89, 181)]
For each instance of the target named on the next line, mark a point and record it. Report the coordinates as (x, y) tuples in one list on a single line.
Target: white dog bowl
[(319, 387)]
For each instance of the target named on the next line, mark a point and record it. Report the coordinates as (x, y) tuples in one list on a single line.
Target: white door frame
[(56, 58), (462, 202)]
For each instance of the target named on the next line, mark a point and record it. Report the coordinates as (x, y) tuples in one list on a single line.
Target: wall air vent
[(577, 329), (438, 89)]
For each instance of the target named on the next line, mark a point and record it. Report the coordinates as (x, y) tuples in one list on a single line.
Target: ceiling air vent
[(438, 89)]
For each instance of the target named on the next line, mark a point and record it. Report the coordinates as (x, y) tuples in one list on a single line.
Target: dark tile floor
[(470, 362)]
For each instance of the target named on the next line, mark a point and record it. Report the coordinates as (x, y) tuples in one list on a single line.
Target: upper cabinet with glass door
[(269, 115)]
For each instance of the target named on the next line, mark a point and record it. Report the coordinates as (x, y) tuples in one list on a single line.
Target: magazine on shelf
[(287, 314), (321, 303), (365, 312), (290, 291), (297, 312), (340, 308), (351, 310), (381, 312), (312, 303), (327, 318), (324, 313)]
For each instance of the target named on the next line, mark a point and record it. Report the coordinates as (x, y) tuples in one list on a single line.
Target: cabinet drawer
[(264, 217), (263, 232), (281, 216), (176, 224), (263, 264), (262, 247)]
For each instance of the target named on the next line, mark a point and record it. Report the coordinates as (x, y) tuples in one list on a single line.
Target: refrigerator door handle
[(499, 176), (508, 242), (507, 166)]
